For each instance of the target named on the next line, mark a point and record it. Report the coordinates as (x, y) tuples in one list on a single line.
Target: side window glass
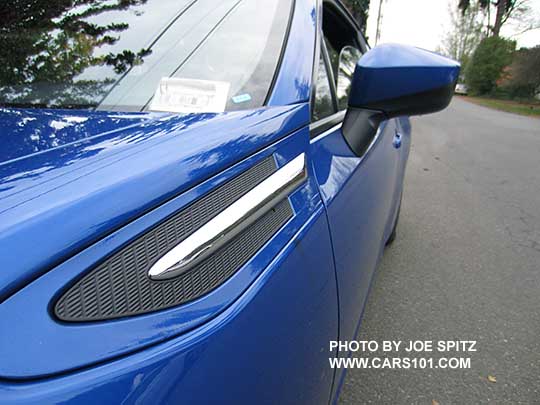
[(348, 58), (323, 105), (342, 42)]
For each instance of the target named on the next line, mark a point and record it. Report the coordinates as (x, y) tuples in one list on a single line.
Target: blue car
[(194, 195)]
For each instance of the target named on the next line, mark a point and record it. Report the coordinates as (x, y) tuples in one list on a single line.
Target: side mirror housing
[(396, 80)]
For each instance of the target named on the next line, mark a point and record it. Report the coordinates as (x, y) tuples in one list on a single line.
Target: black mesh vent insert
[(120, 286)]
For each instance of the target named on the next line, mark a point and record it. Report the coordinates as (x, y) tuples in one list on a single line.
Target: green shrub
[(487, 64), (524, 80)]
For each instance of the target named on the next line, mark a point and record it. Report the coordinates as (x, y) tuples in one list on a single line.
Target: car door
[(88, 320), (206, 257), (361, 192)]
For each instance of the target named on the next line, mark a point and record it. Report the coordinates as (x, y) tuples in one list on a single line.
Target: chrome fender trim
[(231, 221)]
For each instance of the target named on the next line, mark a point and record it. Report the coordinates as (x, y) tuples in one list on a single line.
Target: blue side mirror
[(395, 80), (403, 80)]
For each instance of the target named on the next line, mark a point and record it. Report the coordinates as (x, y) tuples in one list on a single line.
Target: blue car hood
[(69, 178), (28, 132)]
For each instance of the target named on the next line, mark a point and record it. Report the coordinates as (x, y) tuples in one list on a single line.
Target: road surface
[(465, 264)]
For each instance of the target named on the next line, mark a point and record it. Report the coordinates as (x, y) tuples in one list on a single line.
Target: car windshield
[(140, 55)]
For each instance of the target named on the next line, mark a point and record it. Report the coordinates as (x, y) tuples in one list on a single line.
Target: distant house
[(506, 77)]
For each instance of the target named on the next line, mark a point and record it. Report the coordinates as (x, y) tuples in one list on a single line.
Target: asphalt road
[(465, 264)]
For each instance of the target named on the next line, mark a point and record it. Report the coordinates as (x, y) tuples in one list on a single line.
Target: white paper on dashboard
[(190, 95)]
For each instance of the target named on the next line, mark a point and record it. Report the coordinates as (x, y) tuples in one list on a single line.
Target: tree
[(47, 44), (506, 10), (466, 33), (487, 64), (359, 9), (524, 80)]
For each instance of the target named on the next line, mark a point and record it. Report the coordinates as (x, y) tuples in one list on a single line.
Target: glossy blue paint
[(58, 344), (390, 71), (293, 82), (132, 167), (267, 347), (31, 132), (76, 186), (359, 194)]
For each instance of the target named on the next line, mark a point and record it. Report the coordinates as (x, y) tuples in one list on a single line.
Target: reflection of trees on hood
[(47, 44)]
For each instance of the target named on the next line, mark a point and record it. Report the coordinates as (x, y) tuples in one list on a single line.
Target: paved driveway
[(466, 262)]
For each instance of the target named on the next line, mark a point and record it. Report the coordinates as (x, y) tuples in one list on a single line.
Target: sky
[(423, 23)]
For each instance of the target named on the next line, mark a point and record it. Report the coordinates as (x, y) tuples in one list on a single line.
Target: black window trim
[(316, 57), (321, 125), (271, 89), (330, 73), (318, 127), (346, 15)]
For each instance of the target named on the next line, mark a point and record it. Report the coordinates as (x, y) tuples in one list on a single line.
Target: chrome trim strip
[(231, 221)]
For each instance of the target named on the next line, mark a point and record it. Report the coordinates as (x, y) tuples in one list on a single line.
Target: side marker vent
[(120, 286)]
